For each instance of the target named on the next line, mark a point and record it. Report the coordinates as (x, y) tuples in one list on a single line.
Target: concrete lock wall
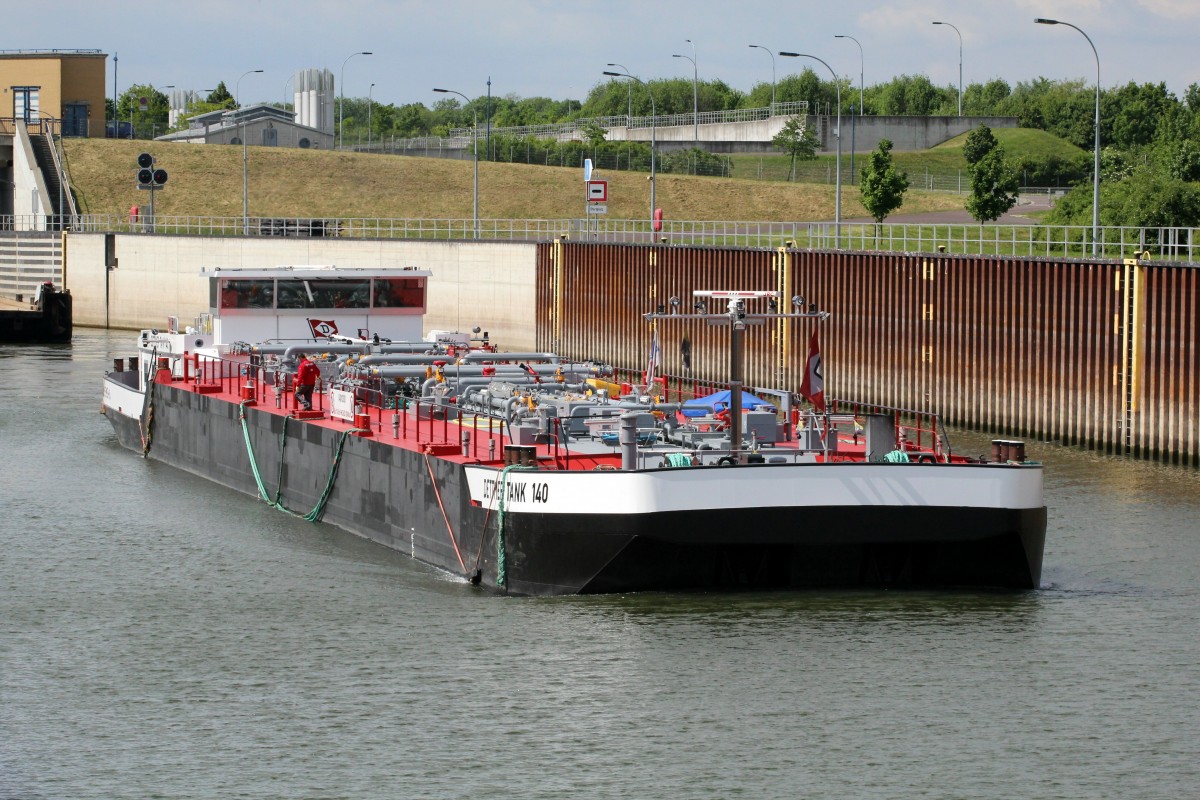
[(473, 283)]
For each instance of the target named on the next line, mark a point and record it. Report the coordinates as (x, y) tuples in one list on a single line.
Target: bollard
[(395, 426)]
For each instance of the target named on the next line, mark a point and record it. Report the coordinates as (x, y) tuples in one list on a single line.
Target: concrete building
[(66, 86), (46, 94), (261, 125)]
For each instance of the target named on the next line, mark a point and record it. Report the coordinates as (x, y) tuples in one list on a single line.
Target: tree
[(994, 185), (220, 96), (883, 186), (980, 142), (150, 122), (994, 181), (593, 134), (797, 140), (1149, 200)]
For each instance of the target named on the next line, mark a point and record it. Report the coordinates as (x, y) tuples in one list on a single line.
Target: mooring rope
[(501, 556), (438, 494), (277, 502)]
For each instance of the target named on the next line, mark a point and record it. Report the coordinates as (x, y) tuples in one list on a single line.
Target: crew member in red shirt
[(307, 374)]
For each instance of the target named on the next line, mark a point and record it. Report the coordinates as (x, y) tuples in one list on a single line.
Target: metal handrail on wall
[(1044, 241)]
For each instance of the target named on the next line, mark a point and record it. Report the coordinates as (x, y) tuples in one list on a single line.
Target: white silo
[(314, 98)]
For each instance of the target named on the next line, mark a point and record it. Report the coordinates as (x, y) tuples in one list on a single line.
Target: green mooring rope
[(277, 502), (501, 556)]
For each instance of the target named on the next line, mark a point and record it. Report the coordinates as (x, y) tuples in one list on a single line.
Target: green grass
[(941, 167), (206, 181)]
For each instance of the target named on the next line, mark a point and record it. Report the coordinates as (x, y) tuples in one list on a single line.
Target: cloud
[(1171, 9)]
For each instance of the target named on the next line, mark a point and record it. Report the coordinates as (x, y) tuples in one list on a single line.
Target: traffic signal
[(147, 176)]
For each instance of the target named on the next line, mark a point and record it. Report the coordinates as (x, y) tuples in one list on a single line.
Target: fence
[(1046, 241)]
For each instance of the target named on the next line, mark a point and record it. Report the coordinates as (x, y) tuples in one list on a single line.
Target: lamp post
[(956, 30), (1096, 147), (772, 55), (285, 95), (370, 90), (695, 91), (342, 93), (628, 90), (170, 108), (475, 142), (837, 224), (653, 115), (237, 93), (860, 77)]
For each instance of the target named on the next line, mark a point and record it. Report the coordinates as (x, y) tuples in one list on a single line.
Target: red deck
[(423, 427)]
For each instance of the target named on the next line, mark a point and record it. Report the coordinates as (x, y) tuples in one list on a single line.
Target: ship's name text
[(517, 491)]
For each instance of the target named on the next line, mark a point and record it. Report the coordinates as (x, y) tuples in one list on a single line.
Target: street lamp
[(772, 55), (237, 98), (947, 24), (370, 89), (695, 92), (628, 90), (170, 108), (860, 70), (837, 224), (653, 115), (342, 93), (1096, 166), (475, 142)]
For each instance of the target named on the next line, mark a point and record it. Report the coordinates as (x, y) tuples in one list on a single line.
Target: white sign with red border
[(597, 191)]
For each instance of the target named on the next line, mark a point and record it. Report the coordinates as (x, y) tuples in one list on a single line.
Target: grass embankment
[(206, 180), (942, 165)]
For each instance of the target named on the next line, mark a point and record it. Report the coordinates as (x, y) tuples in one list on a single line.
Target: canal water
[(161, 636)]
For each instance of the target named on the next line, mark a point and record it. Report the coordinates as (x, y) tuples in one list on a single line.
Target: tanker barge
[(529, 474)]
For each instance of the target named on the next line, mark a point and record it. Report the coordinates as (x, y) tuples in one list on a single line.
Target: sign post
[(587, 177), (597, 199)]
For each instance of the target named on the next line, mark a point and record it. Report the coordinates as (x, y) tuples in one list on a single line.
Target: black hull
[(421, 506), (840, 547), (51, 324)]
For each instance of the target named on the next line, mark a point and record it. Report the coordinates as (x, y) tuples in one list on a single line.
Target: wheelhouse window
[(388, 295), (336, 293), (243, 293), (400, 293)]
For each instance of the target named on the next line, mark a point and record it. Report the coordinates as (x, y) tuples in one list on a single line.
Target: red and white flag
[(322, 328), (812, 388)]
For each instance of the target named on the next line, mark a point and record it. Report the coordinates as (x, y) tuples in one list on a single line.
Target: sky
[(559, 49)]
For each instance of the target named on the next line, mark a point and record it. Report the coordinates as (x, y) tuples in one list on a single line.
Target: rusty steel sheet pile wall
[(1101, 354), (1165, 387)]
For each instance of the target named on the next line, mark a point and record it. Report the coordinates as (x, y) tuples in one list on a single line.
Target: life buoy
[(926, 458)]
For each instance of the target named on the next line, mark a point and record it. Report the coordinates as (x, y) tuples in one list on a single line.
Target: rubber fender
[(726, 461)]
